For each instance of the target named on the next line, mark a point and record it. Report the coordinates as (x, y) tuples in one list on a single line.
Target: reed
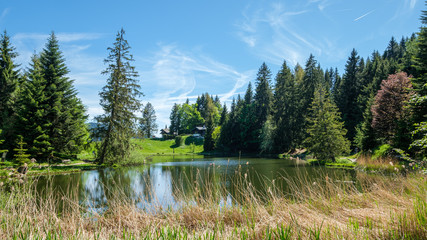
[(369, 207)]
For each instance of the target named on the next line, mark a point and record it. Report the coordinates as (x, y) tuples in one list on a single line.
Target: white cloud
[(272, 35), (175, 75)]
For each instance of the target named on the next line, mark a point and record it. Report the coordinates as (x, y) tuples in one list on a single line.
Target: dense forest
[(378, 100), (381, 99)]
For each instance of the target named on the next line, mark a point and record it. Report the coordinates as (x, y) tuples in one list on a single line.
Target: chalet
[(200, 130), (165, 132)]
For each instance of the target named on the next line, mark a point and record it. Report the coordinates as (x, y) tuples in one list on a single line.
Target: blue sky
[(185, 48)]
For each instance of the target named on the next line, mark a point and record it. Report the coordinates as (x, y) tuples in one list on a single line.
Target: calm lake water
[(158, 183)]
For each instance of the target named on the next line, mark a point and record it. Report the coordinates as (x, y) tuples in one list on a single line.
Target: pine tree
[(119, 99), (31, 121), (349, 90), (419, 83), (209, 143), (313, 79), (224, 115), (248, 138), (147, 123), (286, 112), (326, 133), (64, 114), (21, 157), (262, 101), (9, 81), (175, 119)]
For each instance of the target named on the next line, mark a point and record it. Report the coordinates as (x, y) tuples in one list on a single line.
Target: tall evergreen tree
[(175, 119), (419, 83), (348, 92), (262, 101), (286, 110), (147, 123), (209, 143), (31, 122), (119, 99), (313, 79), (9, 80), (224, 115), (326, 133), (65, 113)]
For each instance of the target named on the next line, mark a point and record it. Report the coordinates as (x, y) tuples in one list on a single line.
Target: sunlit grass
[(370, 207)]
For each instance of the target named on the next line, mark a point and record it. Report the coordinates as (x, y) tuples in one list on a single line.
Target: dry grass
[(376, 207)]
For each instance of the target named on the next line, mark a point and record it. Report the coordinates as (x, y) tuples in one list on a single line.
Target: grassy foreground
[(377, 207)]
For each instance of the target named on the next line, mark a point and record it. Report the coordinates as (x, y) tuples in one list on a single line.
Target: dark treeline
[(377, 100)]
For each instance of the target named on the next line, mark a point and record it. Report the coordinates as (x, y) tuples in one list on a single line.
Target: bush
[(179, 140), (382, 151)]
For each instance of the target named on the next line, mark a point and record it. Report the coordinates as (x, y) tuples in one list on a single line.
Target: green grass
[(147, 147)]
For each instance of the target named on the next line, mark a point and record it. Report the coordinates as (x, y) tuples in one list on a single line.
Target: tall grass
[(370, 207)]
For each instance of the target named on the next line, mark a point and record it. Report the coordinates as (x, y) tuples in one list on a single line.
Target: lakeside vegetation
[(372, 207)]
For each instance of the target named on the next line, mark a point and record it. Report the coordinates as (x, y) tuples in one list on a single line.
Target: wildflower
[(391, 163), (246, 175), (247, 163)]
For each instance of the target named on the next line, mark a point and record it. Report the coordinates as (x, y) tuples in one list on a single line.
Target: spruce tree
[(286, 110), (419, 83), (147, 123), (326, 133), (31, 122), (64, 113), (248, 138), (209, 143), (119, 99), (349, 90), (224, 115), (175, 119), (262, 101), (9, 81), (21, 157)]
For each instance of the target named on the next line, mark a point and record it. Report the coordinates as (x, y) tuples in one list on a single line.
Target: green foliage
[(179, 141), (382, 151), (209, 143), (20, 156), (119, 99), (64, 114), (326, 135), (31, 121), (1, 142), (286, 111), (263, 100), (267, 136), (9, 86), (348, 91), (419, 145), (147, 123)]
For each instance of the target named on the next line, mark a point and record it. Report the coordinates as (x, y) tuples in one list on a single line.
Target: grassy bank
[(377, 207)]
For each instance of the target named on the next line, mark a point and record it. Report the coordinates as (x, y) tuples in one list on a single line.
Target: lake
[(164, 181)]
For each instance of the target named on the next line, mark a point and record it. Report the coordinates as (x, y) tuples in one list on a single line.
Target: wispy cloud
[(271, 33), (4, 14), (364, 15), (175, 75), (411, 3)]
